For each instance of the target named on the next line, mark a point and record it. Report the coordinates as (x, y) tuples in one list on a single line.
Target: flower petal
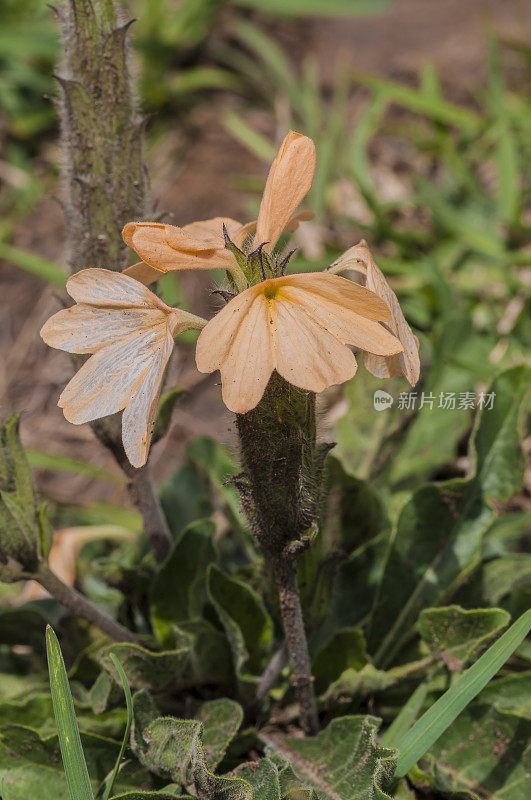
[(341, 291), (348, 326), (149, 240), (105, 288), (184, 241), (306, 354), (216, 338), (408, 363), (107, 382), (288, 183), (212, 229), (138, 419), (143, 273), (246, 370), (86, 329)]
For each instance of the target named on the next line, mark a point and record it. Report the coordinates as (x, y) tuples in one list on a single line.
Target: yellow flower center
[(270, 291)]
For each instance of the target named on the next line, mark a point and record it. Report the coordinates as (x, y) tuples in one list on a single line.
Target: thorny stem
[(105, 182), (79, 606)]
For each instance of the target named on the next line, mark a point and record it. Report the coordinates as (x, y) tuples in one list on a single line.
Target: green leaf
[(185, 499), (443, 712), (20, 526), (350, 516), (343, 762), (145, 669), (150, 796), (221, 720), (218, 466), (178, 591), (431, 439), (127, 692), (201, 657), (437, 541), (247, 624), (75, 766), (486, 753), (165, 410), (345, 650), (175, 748), (510, 693), (455, 635), (32, 765)]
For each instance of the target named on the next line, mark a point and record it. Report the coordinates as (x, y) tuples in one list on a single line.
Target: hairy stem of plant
[(285, 572), (280, 489), (105, 180), (80, 606)]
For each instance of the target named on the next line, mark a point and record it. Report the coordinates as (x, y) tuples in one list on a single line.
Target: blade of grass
[(420, 102), (75, 766), (129, 702), (57, 463), (328, 8), (37, 265), (443, 712), (257, 144)]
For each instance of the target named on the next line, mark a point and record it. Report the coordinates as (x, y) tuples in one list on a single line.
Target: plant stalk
[(80, 606), (105, 180), (285, 572), (280, 489)]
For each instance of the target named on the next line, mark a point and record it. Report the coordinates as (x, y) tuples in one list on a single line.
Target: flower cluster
[(301, 325)]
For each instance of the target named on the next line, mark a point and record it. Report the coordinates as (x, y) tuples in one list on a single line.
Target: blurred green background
[(422, 121)]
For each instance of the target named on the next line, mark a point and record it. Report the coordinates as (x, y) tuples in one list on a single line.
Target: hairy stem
[(105, 181), (280, 489), (80, 606), (285, 572)]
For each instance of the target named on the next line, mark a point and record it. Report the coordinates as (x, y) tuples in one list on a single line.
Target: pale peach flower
[(298, 325), (201, 245), (406, 363), (130, 333)]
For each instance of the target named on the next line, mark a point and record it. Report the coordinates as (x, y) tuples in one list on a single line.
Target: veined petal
[(246, 370), (138, 419), (216, 338), (348, 326), (86, 329), (107, 382), (288, 183), (407, 363), (149, 241), (306, 354), (341, 291), (105, 288)]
